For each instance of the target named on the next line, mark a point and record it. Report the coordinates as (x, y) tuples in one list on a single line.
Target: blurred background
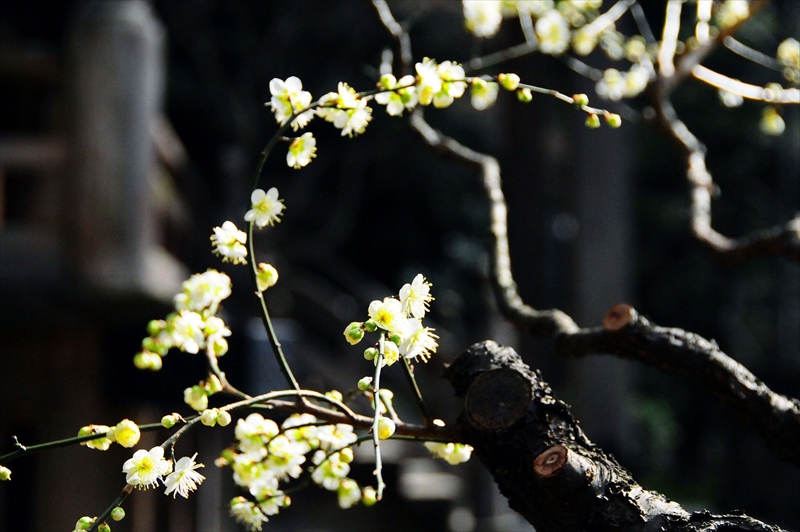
[(129, 129)]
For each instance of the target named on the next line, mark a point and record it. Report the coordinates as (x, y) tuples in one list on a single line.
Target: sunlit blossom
[(266, 208), (146, 468), (184, 479), (228, 242)]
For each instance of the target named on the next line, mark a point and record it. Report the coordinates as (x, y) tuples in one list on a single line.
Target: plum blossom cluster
[(126, 433), (194, 325), (452, 453), (266, 455), (439, 84), (399, 321), (147, 468)]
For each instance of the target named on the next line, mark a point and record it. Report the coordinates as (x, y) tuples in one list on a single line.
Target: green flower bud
[(219, 346), (524, 95), (386, 81), (354, 333), (366, 383), (370, 353), (266, 277), (118, 514), (104, 527), (396, 339), (168, 421), (155, 362), (613, 120), (508, 81), (370, 326), (346, 455), (155, 327), (368, 496), (141, 361), (5, 473), (149, 344), (592, 121), (84, 523), (580, 99)]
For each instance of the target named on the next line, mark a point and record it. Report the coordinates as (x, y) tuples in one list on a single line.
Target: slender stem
[(412, 380), (376, 383), (25, 450), (563, 97), (127, 490), (213, 365)]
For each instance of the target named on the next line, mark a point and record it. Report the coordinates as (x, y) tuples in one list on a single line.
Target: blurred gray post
[(603, 256), (116, 68)]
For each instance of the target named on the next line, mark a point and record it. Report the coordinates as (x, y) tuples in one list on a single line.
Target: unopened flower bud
[(213, 384), (196, 397), (224, 418), (118, 514), (508, 81), (370, 353), (346, 455), (169, 421), (154, 327), (155, 362), (266, 277), (369, 496), (386, 81), (592, 121), (209, 417), (5, 473), (613, 120), (127, 433), (219, 346), (149, 344), (370, 326), (580, 99), (386, 428), (366, 383), (104, 527), (84, 523), (287, 501), (396, 339), (354, 333), (141, 361), (336, 395), (524, 95)]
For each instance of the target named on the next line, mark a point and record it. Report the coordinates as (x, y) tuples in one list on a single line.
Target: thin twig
[(412, 381), (376, 399)]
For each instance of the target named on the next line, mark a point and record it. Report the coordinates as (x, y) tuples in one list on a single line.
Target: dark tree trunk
[(545, 465)]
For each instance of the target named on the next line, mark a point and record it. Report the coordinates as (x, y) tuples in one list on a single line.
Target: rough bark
[(551, 473)]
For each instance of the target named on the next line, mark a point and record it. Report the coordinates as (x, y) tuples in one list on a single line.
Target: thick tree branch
[(545, 465), (775, 417)]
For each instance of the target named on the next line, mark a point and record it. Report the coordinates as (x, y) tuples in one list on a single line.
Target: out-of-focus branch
[(780, 240), (775, 417), (540, 322), (397, 31), (752, 54)]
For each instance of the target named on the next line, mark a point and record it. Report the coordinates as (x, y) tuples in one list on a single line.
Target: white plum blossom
[(482, 17), (288, 97), (247, 513), (329, 473), (203, 290), (285, 457), (146, 468), (184, 479), (483, 94), (253, 432), (397, 100), (301, 151), (336, 436), (388, 314), (415, 297), (612, 86), (584, 41), (349, 493), (552, 29), (636, 81), (346, 110), (453, 86), (452, 453), (418, 341), (266, 207), (187, 331), (429, 82), (272, 503), (228, 242)]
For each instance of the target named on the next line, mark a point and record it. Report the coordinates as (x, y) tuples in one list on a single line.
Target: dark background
[(596, 217)]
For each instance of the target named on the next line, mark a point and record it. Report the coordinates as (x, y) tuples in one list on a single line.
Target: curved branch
[(775, 417)]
